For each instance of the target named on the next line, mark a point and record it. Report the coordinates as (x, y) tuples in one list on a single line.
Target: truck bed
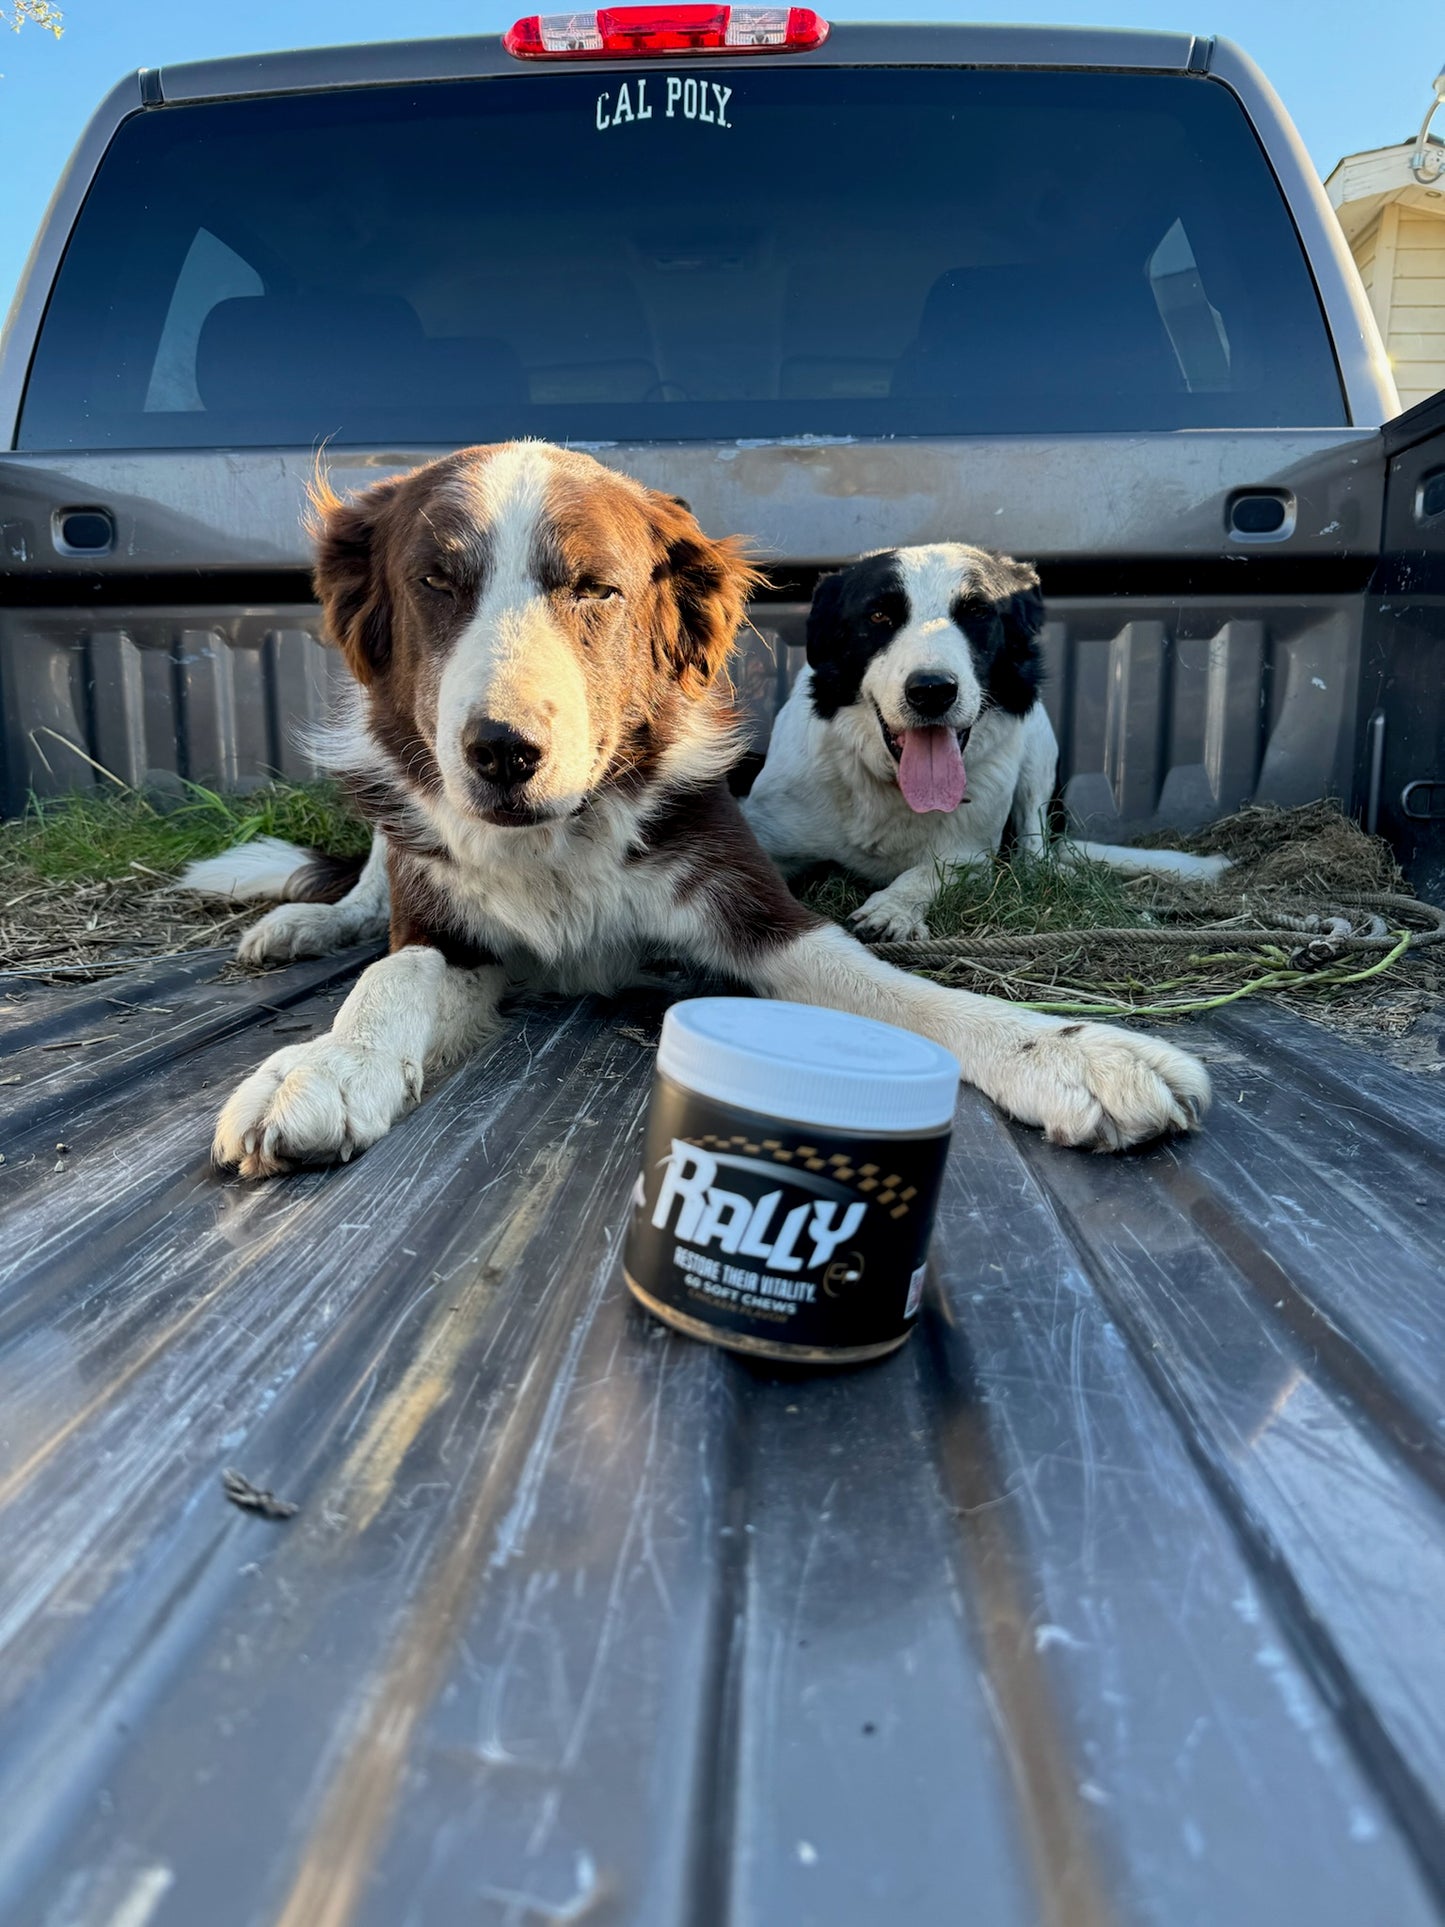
[(1115, 1596)]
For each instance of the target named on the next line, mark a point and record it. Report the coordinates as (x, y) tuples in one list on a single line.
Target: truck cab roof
[(385, 63)]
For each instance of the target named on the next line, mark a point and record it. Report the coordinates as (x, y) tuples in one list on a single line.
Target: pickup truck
[(1115, 1597)]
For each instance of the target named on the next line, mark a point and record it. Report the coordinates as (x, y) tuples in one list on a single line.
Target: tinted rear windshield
[(720, 253)]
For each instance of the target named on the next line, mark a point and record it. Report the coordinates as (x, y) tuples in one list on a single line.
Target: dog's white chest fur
[(565, 896)]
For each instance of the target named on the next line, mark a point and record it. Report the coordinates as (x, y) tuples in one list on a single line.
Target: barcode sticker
[(915, 1292)]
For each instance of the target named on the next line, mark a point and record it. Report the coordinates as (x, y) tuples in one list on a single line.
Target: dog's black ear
[(825, 619), (1018, 669), (349, 580), (827, 644), (1024, 616)]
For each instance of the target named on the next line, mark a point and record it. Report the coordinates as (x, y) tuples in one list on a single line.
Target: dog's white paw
[(884, 918), (313, 1103), (1101, 1088), (293, 930), (297, 930)]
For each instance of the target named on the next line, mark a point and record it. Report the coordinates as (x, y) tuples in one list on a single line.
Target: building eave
[(1362, 186)]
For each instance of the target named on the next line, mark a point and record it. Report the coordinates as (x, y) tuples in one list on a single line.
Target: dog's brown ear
[(702, 588), (348, 578)]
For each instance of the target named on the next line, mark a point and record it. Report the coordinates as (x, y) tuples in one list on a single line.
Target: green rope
[(1273, 980), (1243, 950)]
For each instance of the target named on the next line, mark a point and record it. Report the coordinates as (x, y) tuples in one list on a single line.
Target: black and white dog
[(539, 734), (918, 658)]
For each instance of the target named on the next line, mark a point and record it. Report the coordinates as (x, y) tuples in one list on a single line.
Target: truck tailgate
[(1116, 1596)]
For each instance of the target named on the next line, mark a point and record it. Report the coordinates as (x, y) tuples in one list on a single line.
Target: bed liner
[(1116, 1596)]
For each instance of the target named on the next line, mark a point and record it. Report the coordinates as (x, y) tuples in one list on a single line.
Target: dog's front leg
[(318, 929), (898, 913), (1084, 1084), (318, 1102)]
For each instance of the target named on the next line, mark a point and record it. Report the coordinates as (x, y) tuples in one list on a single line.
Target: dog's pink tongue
[(930, 770)]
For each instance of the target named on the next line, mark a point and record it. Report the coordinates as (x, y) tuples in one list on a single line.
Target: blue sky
[(1353, 76)]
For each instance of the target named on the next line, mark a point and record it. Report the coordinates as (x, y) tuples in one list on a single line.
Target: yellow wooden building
[(1391, 205)]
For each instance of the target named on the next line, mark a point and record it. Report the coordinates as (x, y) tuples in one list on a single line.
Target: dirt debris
[(254, 1498)]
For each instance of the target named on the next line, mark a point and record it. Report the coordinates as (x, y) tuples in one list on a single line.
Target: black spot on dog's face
[(1003, 637), (855, 615)]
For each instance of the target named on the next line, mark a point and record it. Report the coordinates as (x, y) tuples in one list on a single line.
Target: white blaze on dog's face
[(529, 627), (909, 647), (512, 696)]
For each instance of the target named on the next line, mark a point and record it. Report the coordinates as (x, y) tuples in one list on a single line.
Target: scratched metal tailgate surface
[(1116, 1596)]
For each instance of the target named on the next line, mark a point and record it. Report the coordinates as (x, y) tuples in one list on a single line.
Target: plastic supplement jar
[(789, 1177)]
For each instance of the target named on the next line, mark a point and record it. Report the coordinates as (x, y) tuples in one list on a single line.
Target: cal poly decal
[(673, 96)]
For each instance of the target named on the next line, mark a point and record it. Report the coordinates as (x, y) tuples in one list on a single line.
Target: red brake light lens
[(613, 33)]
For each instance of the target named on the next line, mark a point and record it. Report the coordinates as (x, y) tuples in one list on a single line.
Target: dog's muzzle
[(929, 756), (893, 739)]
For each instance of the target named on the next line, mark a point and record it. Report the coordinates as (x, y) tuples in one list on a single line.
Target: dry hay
[(1314, 847), (84, 879), (72, 932), (1040, 931)]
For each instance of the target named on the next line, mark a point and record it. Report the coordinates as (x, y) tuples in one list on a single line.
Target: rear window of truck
[(723, 252)]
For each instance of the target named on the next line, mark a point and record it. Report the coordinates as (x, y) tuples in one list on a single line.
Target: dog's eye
[(438, 585), (595, 592), (880, 616)]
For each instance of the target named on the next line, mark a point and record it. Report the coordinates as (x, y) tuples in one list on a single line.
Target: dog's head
[(528, 625), (909, 647)]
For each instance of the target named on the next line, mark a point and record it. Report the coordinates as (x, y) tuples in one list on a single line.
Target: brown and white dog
[(540, 734)]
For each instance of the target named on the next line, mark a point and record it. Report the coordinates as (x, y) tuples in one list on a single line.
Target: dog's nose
[(499, 753), (930, 692)]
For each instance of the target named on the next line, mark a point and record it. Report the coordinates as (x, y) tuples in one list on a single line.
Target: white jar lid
[(809, 1065)]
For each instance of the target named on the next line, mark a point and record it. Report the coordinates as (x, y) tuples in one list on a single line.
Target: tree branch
[(40, 12)]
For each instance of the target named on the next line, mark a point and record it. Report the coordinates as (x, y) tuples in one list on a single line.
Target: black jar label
[(784, 1234)]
